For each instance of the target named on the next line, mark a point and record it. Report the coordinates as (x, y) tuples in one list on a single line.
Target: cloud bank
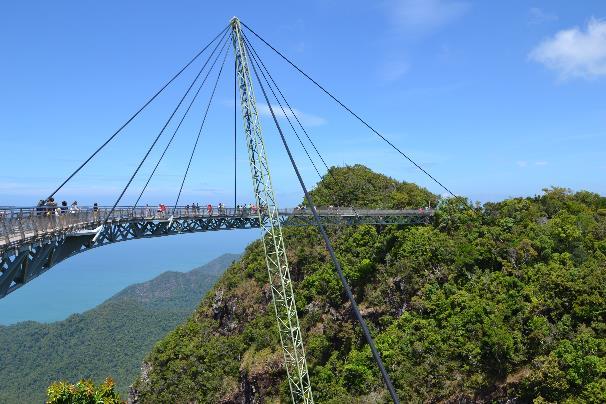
[(575, 53), (305, 118)]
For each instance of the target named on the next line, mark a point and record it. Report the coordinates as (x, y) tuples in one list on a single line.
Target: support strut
[(273, 242)]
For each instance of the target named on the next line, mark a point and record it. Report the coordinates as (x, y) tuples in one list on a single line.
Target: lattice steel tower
[(273, 242)]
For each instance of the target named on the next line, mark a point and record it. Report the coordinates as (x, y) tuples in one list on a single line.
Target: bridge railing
[(30, 223)]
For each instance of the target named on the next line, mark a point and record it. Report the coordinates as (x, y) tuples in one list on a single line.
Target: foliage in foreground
[(494, 302), (83, 392)]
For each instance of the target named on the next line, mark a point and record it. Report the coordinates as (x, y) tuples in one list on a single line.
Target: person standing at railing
[(95, 211), (50, 206), (40, 208), (162, 210), (209, 209), (74, 208), (61, 211)]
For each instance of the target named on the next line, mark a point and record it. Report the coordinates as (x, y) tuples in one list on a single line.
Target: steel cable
[(136, 114), (201, 127), (180, 122), (282, 108), (158, 137), (255, 54), (350, 111), (375, 353)]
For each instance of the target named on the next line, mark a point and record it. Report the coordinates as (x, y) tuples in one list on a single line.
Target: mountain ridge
[(498, 302), (108, 340)]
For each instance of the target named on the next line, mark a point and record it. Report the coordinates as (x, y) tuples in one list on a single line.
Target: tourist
[(40, 208), (74, 208)]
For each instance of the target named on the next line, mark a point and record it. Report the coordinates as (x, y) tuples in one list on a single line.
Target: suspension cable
[(354, 306), (158, 137), (334, 178), (282, 108), (393, 146), (286, 101), (201, 126), (180, 122), (149, 101)]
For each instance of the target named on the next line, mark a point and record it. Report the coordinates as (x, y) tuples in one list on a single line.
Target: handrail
[(18, 224)]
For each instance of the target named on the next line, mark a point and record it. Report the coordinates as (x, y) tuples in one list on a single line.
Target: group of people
[(49, 207), (220, 209), (62, 213)]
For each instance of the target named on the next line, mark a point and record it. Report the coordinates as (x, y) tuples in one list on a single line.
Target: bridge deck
[(23, 225), (32, 240)]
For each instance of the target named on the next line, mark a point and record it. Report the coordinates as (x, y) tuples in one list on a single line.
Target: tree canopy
[(491, 302)]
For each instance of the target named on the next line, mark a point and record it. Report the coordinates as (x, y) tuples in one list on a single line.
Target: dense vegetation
[(493, 302), (358, 186), (109, 340)]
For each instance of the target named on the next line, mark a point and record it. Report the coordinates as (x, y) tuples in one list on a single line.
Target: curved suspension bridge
[(33, 240)]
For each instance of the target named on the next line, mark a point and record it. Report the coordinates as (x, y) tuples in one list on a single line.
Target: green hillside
[(504, 301), (109, 340)]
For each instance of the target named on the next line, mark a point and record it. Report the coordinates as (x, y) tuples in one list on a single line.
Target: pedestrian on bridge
[(74, 208), (40, 208), (50, 206)]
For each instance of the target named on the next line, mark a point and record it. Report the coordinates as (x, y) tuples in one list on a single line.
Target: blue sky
[(494, 99)]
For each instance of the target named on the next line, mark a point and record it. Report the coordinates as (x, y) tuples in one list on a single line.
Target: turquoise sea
[(85, 280)]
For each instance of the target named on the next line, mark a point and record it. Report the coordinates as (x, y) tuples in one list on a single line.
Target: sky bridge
[(33, 240)]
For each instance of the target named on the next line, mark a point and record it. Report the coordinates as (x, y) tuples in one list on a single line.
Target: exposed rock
[(133, 392)]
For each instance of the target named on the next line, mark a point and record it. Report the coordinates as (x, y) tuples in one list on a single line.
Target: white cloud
[(539, 16), (423, 16), (575, 53), (305, 118), (524, 163), (393, 70)]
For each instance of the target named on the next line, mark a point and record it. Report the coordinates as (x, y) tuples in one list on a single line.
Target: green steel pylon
[(273, 242)]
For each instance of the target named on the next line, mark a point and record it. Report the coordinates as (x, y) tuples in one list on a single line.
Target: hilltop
[(489, 303), (109, 340)]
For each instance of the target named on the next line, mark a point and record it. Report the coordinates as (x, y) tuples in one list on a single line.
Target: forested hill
[(489, 303), (109, 340)]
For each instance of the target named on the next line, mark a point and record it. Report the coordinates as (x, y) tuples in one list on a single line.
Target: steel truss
[(273, 242)]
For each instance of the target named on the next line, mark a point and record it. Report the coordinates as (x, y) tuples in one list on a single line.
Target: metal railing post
[(20, 223), (6, 232)]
